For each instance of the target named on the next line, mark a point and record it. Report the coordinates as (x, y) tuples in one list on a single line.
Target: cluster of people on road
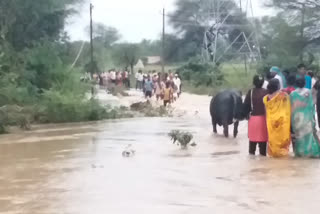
[(281, 112), (112, 78), (165, 87)]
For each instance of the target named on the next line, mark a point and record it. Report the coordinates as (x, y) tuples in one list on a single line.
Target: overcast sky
[(134, 19)]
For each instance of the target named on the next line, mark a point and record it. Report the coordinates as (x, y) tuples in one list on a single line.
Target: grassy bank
[(65, 101), (235, 76), (56, 110)]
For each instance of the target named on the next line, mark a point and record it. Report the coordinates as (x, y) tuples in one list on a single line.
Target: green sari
[(303, 124)]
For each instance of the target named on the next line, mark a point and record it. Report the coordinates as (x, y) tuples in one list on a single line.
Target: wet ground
[(79, 169)]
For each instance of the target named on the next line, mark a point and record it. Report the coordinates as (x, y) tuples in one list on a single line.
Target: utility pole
[(240, 6), (245, 64), (163, 40), (91, 42), (303, 13)]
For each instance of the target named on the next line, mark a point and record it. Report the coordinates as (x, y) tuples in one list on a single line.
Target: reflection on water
[(79, 168), (216, 154)]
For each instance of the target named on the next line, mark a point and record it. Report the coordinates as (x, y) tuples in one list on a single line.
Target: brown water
[(79, 169)]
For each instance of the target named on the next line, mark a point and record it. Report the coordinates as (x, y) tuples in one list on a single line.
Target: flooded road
[(79, 169)]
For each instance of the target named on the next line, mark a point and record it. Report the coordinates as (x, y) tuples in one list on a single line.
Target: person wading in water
[(167, 94), (255, 110)]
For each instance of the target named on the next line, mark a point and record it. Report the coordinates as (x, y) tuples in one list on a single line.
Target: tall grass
[(235, 77)]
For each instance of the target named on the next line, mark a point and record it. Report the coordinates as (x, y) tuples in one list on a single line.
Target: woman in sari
[(278, 111), (303, 123)]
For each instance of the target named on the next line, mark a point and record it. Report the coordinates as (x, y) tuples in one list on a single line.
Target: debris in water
[(94, 166), (181, 138), (128, 152), (216, 154), (140, 106), (193, 144), (148, 110)]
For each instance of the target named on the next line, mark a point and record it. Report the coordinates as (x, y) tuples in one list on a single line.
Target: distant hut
[(139, 65), (153, 60)]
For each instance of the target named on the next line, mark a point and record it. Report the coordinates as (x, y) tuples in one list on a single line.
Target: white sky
[(134, 19)]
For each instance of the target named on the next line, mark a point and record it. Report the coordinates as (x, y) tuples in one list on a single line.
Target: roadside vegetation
[(37, 82), (207, 79), (40, 79)]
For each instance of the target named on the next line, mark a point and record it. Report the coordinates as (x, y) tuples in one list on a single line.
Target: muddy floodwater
[(79, 169)]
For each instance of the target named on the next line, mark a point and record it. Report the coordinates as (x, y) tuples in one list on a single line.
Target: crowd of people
[(165, 87), (111, 78), (281, 107), (281, 111)]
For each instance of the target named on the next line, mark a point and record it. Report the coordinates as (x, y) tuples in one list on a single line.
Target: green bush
[(3, 122), (2, 128), (61, 97), (201, 74), (284, 63), (13, 115), (59, 107), (13, 93)]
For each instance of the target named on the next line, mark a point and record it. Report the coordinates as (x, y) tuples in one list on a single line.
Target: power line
[(78, 55)]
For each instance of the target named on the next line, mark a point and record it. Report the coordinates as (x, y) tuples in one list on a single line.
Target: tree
[(279, 41), (179, 50), (127, 55), (195, 13), (32, 37), (190, 21), (104, 38), (303, 14), (25, 22), (150, 48), (34, 69), (193, 18), (104, 35)]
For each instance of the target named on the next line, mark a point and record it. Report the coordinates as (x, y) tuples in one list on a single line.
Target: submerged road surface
[(79, 169)]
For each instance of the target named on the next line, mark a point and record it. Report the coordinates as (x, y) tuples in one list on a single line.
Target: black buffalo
[(226, 109)]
